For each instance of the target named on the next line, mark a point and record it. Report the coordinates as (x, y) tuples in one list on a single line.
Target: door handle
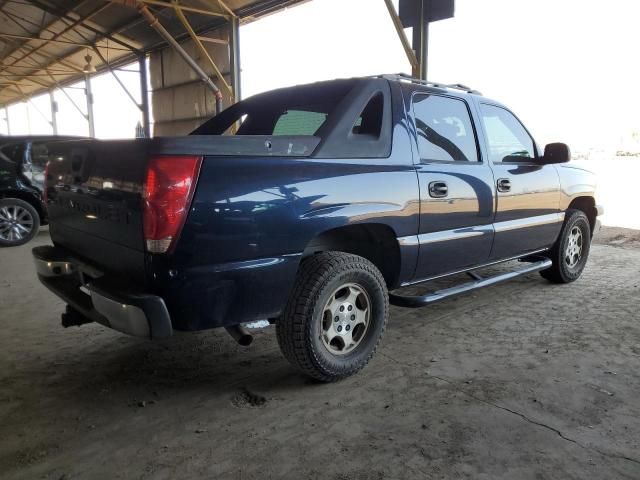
[(438, 189), (504, 185)]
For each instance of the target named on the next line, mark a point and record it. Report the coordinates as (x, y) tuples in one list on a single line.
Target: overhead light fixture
[(88, 68)]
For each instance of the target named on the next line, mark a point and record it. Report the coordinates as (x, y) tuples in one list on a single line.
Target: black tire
[(12, 231), (562, 270), (301, 328)]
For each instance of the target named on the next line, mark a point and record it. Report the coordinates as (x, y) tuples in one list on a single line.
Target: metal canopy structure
[(47, 45), (44, 44), (417, 15)]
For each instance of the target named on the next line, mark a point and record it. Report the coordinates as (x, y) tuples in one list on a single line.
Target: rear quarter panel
[(252, 218)]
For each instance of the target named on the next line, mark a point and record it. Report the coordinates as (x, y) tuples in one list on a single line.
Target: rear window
[(300, 110), (299, 122)]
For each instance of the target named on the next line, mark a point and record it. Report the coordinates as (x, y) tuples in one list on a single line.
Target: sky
[(568, 68)]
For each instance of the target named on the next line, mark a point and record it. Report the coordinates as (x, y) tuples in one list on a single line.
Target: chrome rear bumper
[(107, 302)]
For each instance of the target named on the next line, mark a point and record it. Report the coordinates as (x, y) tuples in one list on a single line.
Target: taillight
[(168, 190)]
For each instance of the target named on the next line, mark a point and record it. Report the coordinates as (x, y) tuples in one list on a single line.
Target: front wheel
[(19, 222), (335, 317), (571, 250)]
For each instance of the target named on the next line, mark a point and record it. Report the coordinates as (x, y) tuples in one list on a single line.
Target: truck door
[(528, 216), (456, 188)]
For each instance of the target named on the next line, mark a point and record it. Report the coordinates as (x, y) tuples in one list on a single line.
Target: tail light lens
[(168, 191)]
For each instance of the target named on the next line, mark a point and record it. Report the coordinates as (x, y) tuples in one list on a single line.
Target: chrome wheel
[(16, 223), (345, 319), (573, 252)]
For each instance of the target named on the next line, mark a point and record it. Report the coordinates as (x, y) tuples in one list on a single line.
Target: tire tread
[(293, 330)]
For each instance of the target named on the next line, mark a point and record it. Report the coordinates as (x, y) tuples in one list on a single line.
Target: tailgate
[(94, 199)]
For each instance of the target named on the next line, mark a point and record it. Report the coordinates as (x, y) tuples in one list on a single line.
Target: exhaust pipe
[(240, 335)]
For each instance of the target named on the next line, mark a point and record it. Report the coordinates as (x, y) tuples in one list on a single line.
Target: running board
[(480, 282)]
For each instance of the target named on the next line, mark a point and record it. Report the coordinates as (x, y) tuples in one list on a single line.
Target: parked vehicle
[(22, 163), (307, 206)]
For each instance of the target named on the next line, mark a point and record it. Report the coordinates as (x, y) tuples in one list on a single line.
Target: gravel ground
[(524, 380)]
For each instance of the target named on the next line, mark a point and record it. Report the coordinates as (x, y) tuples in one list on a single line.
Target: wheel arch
[(586, 204), (374, 241)]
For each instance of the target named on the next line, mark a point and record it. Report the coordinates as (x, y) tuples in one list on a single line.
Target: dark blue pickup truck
[(307, 206)]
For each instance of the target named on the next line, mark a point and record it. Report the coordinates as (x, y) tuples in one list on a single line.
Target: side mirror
[(556, 153)]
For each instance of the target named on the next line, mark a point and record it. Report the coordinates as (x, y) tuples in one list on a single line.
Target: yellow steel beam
[(411, 55), (52, 40), (203, 50), (219, 41), (185, 8), (226, 8)]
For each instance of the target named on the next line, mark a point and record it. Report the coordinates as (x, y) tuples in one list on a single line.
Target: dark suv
[(22, 164)]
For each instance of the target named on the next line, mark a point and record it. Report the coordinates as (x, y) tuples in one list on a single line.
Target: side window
[(299, 122), (444, 128), (507, 139), (369, 123), (14, 153), (39, 159)]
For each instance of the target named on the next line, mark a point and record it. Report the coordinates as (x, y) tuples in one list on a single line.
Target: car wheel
[(19, 222), (335, 316), (571, 250)]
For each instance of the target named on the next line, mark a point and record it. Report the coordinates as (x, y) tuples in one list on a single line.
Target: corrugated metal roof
[(43, 43)]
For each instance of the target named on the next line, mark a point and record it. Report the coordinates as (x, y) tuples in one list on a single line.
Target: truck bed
[(95, 189)]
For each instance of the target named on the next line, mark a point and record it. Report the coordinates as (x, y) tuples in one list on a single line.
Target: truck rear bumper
[(107, 302)]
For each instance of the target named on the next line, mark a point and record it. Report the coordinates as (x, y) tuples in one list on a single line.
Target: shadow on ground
[(522, 380)]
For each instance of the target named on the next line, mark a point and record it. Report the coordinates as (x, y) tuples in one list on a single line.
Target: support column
[(234, 58), (26, 106), (421, 37), (6, 116), (54, 111), (144, 97), (89, 95)]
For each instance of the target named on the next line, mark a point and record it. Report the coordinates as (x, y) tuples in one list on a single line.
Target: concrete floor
[(525, 380)]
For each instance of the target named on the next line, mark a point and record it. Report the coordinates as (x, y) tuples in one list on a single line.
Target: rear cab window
[(349, 118), (299, 122), (298, 111), (444, 129)]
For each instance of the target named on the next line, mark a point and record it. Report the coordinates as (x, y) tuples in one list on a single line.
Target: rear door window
[(444, 129)]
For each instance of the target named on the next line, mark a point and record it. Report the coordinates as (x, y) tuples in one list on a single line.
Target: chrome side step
[(480, 282)]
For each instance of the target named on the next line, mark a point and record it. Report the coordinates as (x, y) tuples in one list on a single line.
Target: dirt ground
[(524, 380)]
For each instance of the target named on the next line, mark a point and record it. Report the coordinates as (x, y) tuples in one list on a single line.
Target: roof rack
[(409, 78)]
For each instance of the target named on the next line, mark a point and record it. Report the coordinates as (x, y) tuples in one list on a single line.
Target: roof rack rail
[(409, 78)]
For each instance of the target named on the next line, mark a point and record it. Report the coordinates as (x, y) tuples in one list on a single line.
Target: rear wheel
[(19, 222), (571, 250), (335, 316)]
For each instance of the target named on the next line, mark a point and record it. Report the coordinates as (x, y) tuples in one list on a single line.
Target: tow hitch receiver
[(73, 318)]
